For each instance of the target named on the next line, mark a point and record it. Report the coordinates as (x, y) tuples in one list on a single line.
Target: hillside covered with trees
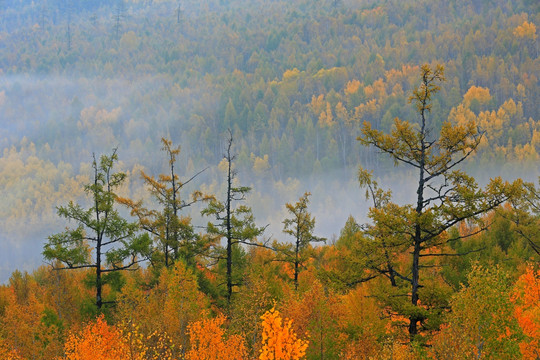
[(269, 179)]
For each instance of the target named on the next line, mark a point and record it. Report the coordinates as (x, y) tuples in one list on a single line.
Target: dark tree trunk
[(99, 233), (296, 261), (228, 224), (175, 212), (413, 319), (99, 300), (391, 271)]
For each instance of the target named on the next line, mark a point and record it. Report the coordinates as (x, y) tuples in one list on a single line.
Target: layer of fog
[(24, 113), (335, 197)]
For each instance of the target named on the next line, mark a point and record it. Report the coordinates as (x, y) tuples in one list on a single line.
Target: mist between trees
[(447, 218), (296, 83)]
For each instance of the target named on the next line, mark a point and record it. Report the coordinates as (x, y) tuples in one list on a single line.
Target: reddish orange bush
[(526, 298), (98, 341)]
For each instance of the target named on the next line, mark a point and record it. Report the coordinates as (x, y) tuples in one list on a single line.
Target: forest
[(249, 179)]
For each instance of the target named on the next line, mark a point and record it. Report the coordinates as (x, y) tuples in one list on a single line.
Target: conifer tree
[(300, 226), (102, 239), (172, 231), (525, 215), (445, 195), (235, 224)]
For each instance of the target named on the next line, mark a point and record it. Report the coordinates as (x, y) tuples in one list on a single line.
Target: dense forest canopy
[(293, 80)]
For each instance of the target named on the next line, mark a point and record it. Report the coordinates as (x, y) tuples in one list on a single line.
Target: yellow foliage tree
[(260, 164), (376, 91), (526, 30), (326, 118), (155, 346), (317, 104), (462, 115), (279, 339), (397, 351), (290, 74), (352, 87), (478, 93), (367, 110), (171, 305), (525, 152)]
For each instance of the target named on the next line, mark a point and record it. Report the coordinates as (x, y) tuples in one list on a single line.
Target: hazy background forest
[(304, 91), (294, 80)]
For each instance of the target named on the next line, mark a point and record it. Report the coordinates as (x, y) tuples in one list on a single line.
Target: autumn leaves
[(380, 291), (101, 341), (279, 339)]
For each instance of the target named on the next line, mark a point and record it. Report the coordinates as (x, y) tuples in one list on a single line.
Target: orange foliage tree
[(526, 297), (317, 312), (98, 341), (7, 353), (361, 323), (209, 343), (101, 341), (31, 329), (279, 339)]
